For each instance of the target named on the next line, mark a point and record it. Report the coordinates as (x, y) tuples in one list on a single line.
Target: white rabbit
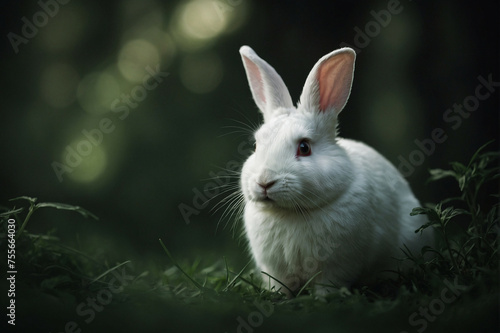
[(317, 205)]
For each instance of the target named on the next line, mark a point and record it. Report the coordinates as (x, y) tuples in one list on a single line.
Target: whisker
[(228, 173), (225, 201), (234, 209), (247, 128), (252, 126)]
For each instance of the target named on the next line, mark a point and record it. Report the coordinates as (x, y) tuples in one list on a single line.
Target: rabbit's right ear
[(268, 89), (328, 85)]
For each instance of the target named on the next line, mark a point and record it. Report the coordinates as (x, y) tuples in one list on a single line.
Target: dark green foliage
[(469, 246)]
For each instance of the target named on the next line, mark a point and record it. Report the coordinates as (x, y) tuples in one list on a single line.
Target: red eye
[(304, 148)]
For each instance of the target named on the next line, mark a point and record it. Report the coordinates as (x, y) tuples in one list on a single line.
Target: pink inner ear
[(334, 78), (255, 79)]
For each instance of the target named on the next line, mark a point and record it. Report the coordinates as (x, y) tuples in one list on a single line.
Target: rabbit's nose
[(267, 185)]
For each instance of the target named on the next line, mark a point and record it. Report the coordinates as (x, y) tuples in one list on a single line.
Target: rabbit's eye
[(255, 146), (304, 148)]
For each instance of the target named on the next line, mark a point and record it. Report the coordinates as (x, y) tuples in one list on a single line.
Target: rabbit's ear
[(268, 89), (328, 85)]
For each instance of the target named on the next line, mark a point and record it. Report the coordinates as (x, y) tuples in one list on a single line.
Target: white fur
[(344, 210)]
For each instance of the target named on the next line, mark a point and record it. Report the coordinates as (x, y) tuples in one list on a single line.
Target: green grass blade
[(109, 271), (85, 213), (24, 197), (197, 285), (307, 283), (227, 271), (237, 276), (275, 279), (31, 210), (256, 287), (11, 212), (478, 152)]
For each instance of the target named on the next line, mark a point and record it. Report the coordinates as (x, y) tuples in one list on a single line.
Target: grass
[(62, 289)]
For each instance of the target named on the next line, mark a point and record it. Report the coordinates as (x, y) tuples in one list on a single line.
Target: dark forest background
[(412, 67)]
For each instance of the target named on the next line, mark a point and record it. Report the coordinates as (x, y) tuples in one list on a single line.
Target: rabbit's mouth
[(263, 198), (274, 201)]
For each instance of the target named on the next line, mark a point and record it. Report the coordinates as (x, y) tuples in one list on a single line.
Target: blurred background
[(128, 107)]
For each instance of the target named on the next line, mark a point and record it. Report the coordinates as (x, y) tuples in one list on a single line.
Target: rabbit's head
[(297, 164)]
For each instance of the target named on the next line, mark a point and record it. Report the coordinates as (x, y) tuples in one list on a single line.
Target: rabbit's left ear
[(268, 89), (328, 85)]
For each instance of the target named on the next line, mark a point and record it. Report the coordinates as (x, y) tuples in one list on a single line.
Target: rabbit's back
[(386, 199)]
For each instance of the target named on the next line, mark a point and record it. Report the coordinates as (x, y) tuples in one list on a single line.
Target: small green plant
[(53, 267), (467, 225), (33, 206)]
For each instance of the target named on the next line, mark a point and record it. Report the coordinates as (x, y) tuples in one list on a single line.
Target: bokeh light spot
[(201, 19), (197, 23), (93, 161), (135, 57)]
